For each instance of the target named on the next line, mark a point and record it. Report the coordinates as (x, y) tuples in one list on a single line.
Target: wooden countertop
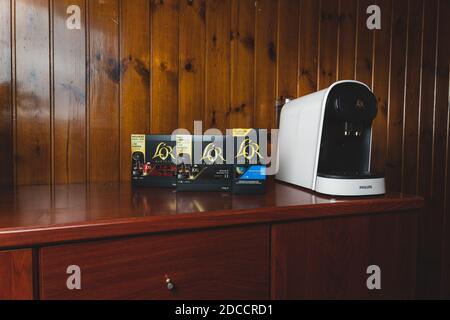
[(38, 215)]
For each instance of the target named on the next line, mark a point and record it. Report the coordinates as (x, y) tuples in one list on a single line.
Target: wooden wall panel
[(288, 39), (69, 95), (429, 37), (396, 95), (104, 81), (308, 46), (218, 70), (412, 96), (328, 46), (164, 59), (347, 39), (266, 63), (381, 73), (192, 63), (364, 45), (33, 149), (440, 152), (135, 77), (6, 174), (243, 63)]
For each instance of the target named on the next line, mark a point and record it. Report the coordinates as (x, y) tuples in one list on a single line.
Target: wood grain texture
[(328, 43), (309, 46), (347, 39), (381, 73), (328, 259), (396, 96), (69, 95), (222, 264), (288, 39), (266, 63), (16, 275), (6, 136), (218, 57), (412, 97), (36, 215), (242, 63), (441, 127), (192, 63), (135, 77), (33, 158), (164, 84), (104, 79), (428, 83), (364, 46)]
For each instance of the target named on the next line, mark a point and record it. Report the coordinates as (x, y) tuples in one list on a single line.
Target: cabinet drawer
[(329, 258), (16, 275), (219, 264)]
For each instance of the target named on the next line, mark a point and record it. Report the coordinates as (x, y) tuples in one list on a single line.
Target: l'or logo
[(212, 153), (249, 149), (74, 280), (163, 151)]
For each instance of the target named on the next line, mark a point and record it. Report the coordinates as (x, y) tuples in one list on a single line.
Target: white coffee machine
[(325, 141)]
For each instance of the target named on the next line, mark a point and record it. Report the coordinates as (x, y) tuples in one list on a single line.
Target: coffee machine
[(325, 141)]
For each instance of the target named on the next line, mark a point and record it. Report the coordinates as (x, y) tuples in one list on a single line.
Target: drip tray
[(351, 175)]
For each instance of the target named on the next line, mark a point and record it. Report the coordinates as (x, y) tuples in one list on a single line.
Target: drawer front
[(16, 275), (219, 264), (330, 258)]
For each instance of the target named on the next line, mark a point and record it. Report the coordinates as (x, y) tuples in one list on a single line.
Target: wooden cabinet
[(136, 243), (16, 275), (219, 264), (328, 259)]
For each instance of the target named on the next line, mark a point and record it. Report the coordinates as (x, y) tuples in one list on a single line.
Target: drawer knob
[(170, 285)]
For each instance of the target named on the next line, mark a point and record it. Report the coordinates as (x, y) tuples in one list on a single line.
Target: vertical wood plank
[(192, 63), (288, 39), (440, 148), (33, 92), (412, 96), (164, 84), (328, 43), (445, 289), (396, 96), (266, 63), (309, 46), (218, 70), (104, 91), (69, 95), (6, 165), (381, 86), (243, 63), (364, 45), (428, 84), (135, 70), (347, 39)]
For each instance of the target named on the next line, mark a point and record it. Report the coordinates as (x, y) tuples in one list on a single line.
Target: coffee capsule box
[(202, 163), (153, 160), (249, 170)]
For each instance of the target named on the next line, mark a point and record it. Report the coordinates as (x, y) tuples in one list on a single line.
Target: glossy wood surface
[(218, 264), (16, 275), (328, 259), (44, 214)]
